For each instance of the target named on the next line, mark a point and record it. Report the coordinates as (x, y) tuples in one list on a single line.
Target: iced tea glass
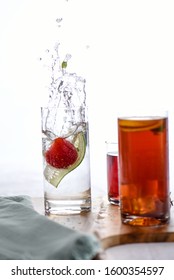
[(112, 172), (144, 169), (66, 160)]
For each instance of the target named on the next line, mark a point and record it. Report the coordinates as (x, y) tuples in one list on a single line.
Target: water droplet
[(58, 20), (67, 57)]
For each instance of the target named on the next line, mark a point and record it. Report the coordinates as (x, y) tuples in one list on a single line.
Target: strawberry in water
[(61, 153), (55, 171)]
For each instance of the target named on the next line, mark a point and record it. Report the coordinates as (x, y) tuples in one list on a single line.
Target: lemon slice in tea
[(55, 175), (140, 125)]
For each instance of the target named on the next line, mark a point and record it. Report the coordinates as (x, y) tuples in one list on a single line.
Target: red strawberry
[(61, 154)]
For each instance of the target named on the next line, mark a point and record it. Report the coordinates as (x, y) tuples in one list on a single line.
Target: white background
[(124, 49)]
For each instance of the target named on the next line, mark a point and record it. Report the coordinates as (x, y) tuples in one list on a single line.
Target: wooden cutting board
[(104, 220), (111, 231)]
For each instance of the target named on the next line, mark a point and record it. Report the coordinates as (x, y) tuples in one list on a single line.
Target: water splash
[(65, 90)]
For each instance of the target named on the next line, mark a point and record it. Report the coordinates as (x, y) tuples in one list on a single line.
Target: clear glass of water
[(66, 160)]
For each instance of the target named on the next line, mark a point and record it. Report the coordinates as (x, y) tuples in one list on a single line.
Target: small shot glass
[(112, 172)]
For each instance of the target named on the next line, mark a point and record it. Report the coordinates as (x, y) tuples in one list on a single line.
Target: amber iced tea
[(143, 164)]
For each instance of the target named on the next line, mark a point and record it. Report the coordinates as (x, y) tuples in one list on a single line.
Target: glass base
[(114, 201), (67, 207), (144, 221)]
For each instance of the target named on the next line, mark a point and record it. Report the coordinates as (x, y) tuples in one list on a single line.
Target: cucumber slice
[(54, 175)]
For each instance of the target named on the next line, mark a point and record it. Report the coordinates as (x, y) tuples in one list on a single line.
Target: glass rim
[(62, 107), (143, 114), (111, 142)]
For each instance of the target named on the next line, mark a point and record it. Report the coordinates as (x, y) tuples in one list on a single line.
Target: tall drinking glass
[(144, 169), (66, 161), (112, 172)]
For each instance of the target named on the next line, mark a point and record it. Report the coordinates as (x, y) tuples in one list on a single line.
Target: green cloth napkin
[(27, 235)]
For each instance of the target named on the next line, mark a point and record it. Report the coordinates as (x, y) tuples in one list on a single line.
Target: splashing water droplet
[(58, 20), (67, 57)]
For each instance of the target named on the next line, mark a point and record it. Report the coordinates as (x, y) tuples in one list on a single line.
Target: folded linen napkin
[(27, 235)]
